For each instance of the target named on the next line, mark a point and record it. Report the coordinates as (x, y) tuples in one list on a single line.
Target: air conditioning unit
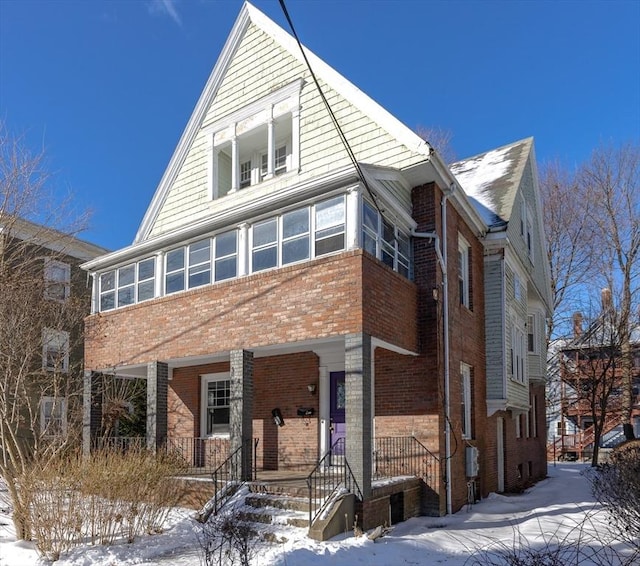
[(473, 467)]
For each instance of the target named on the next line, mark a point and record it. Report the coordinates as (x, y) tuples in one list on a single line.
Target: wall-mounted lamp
[(312, 388)]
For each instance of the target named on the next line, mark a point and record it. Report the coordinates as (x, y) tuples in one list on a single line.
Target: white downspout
[(442, 261)]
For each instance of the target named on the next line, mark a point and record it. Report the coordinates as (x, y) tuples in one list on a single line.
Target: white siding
[(259, 67), (494, 327)]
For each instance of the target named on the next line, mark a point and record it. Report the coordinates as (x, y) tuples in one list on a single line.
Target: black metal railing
[(201, 456), (330, 475), (238, 468), (395, 456)]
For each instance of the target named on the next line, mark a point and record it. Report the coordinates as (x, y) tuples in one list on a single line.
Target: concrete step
[(260, 500)]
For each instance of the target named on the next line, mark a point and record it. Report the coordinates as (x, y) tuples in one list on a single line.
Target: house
[(43, 305), (591, 393), (503, 185), (283, 297)]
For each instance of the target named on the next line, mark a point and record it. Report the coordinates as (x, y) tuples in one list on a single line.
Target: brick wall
[(316, 299)]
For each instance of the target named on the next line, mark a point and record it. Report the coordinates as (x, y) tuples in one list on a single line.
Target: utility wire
[(331, 114)]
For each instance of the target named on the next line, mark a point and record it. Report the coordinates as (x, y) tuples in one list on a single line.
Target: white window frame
[(532, 333), (51, 268), (118, 286), (56, 341), (518, 353), (58, 404), (466, 401), (205, 379), (281, 105), (464, 279)]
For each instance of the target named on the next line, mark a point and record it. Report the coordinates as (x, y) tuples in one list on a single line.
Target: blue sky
[(108, 86)]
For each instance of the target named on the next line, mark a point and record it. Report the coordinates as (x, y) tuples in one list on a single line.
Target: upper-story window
[(532, 330), (518, 367), (298, 235), (190, 266), (464, 272), (55, 350), (465, 399), (127, 285), (256, 143), (382, 239), (57, 280)]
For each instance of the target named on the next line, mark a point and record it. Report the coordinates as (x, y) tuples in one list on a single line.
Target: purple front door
[(337, 410)]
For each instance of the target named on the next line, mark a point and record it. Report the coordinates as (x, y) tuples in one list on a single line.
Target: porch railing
[(119, 443), (331, 475), (395, 456), (201, 455), (238, 468)]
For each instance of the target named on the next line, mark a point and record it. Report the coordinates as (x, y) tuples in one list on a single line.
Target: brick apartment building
[(276, 292)]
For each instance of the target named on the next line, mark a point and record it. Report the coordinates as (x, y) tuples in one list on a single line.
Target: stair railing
[(229, 476), (328, 478), (395, 456)]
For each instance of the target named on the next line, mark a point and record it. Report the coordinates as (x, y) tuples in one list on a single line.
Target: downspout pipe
[(441, 254)]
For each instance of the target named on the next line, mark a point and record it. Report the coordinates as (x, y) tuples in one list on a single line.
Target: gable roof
[(251, 15), (491, 180), (49, 238)]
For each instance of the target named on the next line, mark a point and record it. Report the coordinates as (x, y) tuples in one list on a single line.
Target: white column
[(95, 294), (159, 283), (295, 139), (235, 165), (353, 218), (325, 410), (243, 249), (270, 146)]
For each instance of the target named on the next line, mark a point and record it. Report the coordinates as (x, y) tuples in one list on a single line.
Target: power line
[(331, 114)]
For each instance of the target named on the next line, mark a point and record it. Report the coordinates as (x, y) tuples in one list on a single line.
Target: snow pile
[(560, 508)]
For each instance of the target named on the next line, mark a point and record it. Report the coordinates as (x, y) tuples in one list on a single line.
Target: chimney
[(577, 324), (605, 297)]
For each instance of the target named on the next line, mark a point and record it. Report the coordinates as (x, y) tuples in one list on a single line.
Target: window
[(53, 416), (329, 226), (518, 423), (527, 425), (384, 240), (216, 394), (226, 255), (265, 245), (199, 263), (534, 416), (295, 236), (517, 354), (465, 396), (464, 283), (55, 350), (127, 285), (529, 236), (57, 279), (531, 334), (256, 143)]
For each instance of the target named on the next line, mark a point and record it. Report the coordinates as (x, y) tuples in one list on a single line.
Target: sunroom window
[(384, 240), (127, 285), (330, 226), (295, 236)]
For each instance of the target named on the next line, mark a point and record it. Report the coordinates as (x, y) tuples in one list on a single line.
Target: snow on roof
[(491, 180)]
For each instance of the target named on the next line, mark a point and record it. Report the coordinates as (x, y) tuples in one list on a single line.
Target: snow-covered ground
[(552, 510)]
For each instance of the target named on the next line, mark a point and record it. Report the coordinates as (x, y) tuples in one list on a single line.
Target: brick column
[(241, 409), (157, 390), (91, 410), (359, 411)]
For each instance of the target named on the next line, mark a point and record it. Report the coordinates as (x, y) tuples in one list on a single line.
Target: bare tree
[(40, 328), (612, 180), (569, 237), (441, 140)]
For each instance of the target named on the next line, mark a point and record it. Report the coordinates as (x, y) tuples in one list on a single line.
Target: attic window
[(256, 143)]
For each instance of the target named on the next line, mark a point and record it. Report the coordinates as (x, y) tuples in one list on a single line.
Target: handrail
[(404, 456), (230, 475), (327, 477)]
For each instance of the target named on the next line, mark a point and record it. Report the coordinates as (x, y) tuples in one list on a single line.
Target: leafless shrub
[(227, 539), (583, 544), (110, 497), (617, 486)]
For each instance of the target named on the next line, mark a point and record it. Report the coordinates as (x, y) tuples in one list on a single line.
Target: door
[(337, 410)]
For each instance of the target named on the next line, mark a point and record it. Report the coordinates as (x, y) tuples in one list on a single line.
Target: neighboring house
[(43, 283), (274, 292), (590, 369), (503, 184)]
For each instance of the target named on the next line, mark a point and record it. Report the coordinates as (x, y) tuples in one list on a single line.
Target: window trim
[(205, 379), (518, 354), (532, 333), (50, 265), (464, 271), (466, 401), (51, 336), (44, 423)]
